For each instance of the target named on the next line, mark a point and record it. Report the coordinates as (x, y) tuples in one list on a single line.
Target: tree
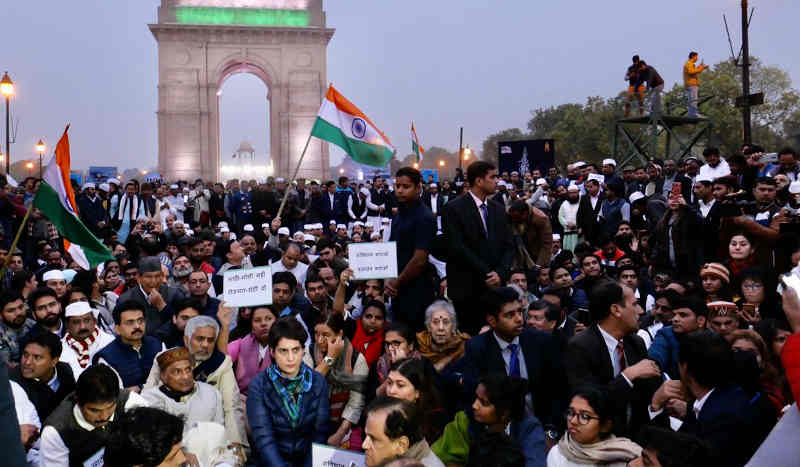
[(583, 131)]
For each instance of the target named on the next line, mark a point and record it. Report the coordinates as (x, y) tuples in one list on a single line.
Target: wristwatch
[(328, 360)]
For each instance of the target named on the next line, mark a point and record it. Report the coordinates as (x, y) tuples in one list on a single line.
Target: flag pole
[(16, 240), (296, 170)]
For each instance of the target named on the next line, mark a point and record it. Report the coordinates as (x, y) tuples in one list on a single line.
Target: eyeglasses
[(583, 417), (753, 287), (393, 344)]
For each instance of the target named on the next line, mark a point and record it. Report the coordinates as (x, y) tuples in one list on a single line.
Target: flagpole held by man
[(341, 123)]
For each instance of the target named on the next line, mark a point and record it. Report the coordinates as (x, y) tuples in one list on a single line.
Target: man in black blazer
[(511, 349), (593, 356), (434, 200), (479, 245), (713, 409), (587, 211), (156, 298)]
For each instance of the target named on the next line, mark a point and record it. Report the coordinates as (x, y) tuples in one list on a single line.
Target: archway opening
[(244, 126)]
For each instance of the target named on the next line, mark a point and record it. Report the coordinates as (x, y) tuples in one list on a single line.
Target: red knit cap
[(716, 269)]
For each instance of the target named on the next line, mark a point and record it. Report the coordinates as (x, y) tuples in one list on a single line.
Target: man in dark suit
[(609, 353), (588, 209), (327, 203), (512, 350), (151, 293), (712, 408), (480, 248), (434, 200)]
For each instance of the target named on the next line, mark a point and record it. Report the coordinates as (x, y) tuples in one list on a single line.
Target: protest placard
[(248, 287), (373, 260), (326, 456)]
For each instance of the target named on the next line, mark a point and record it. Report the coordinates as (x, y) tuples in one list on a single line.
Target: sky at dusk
[(483, 65)]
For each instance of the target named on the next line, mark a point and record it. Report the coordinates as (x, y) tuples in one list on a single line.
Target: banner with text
[(326, 456), (373, 260), (248, 287)]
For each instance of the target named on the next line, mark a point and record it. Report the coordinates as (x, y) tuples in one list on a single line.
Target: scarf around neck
[(177, 396), (368, 345), (131, 205), (291, 390), (207, 367), (82, 347), (611, 449), (454, 347)]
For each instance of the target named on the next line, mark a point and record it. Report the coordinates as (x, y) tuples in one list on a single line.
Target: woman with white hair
[(441, 342)]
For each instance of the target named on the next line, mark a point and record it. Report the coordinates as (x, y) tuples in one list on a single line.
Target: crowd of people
[(599, 316)]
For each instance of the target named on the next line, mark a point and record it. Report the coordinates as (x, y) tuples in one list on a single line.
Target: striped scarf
[(291, 390), (82, 347)]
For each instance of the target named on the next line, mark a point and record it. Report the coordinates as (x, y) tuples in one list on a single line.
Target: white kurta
[(70, 357), (204, 404), (54, 453)]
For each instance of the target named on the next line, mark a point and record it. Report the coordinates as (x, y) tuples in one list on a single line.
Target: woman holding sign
[(413, 228)]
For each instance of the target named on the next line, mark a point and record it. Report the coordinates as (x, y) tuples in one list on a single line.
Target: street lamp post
[(29, 166), (41, 148), (7, 90)]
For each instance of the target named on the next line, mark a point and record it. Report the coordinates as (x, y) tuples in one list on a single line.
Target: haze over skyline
[(443, 64)]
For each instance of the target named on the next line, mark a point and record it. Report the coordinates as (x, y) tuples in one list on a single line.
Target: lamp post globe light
[(40, 147), (7, 90)]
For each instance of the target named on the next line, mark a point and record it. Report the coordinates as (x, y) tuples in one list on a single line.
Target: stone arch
[(196, 59)]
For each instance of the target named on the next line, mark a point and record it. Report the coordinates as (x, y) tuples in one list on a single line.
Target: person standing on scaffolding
[(635, 87), (691, 80), (655, 86)]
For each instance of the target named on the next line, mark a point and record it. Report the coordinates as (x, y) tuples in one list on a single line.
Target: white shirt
[(299, 271), (722, 169), (478, 204), (705, 207), (26, 415), (523, 370), (54, 453), (506, 353), (648, 334), (594, 200), (613, 352), (699, 403), (70, 357), (434, 198)]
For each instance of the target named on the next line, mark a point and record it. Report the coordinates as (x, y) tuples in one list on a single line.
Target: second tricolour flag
[(343, 124), (56, 199), (415, 146)]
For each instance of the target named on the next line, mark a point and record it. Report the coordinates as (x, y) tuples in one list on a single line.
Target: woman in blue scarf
[(287, 404)]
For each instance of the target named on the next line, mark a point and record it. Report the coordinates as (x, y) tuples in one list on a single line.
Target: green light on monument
[(243, 16)]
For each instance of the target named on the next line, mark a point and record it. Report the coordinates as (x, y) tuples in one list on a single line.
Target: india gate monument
[(203, 42)]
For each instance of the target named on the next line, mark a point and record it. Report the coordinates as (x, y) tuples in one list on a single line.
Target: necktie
[(485, 214), (621, 356), (513, 363)]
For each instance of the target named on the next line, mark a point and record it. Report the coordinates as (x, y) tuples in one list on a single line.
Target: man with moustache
[(212, 367), (75, 432), (181, 269), (84, 339), (45, 379), (131, 353), (14, 325), (43, 303)]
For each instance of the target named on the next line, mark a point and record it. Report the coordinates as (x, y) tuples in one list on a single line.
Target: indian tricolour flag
[(341, 123), (56, 199), (415, 146)]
